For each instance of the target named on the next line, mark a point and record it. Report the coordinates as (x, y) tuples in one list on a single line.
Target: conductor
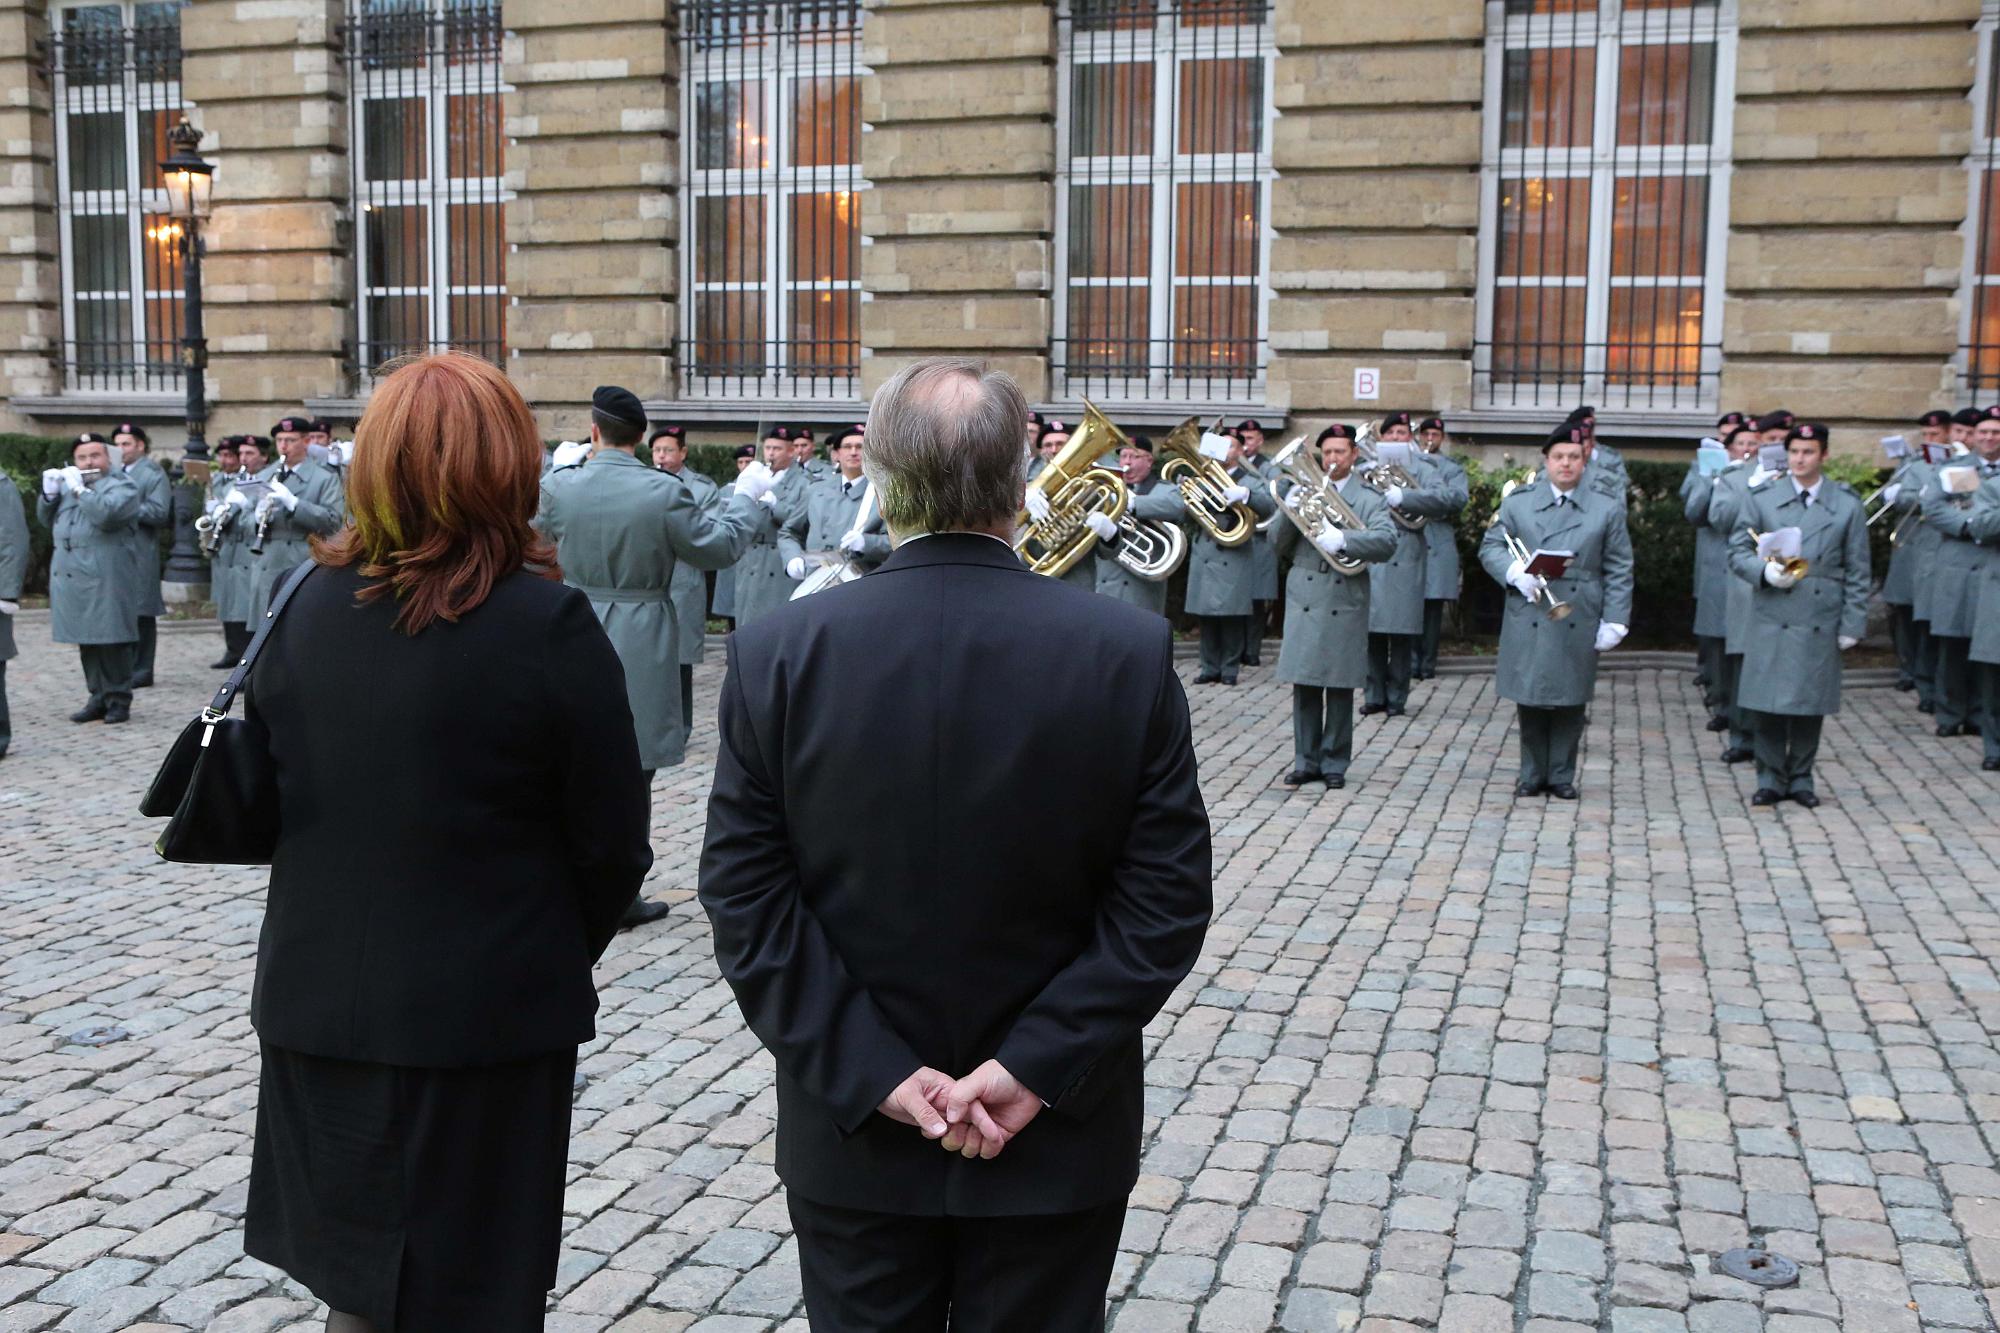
[(955, 1009)]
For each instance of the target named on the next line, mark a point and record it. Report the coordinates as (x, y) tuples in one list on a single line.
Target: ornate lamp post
[(188, 177)]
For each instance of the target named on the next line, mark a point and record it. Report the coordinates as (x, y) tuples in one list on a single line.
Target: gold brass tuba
[(1313, 503), (1076, 486), (1202, 481), (1379, 476)]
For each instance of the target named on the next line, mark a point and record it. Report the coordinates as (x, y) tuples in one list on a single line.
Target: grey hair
[(943, 447)]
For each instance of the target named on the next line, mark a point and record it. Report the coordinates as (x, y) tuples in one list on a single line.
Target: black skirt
[(423, 1200)]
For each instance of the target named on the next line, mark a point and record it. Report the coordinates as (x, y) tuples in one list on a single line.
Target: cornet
[(1545, 596), (1794, 565)]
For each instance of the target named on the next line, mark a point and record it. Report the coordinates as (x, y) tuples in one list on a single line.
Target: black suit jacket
[(955, 817), (462, 822)]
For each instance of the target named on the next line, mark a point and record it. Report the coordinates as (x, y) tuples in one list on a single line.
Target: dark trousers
[(235, 638), (1903, 634), (6, 722), (687, 697), (149, 640), (1253, 632), (107, 671), (1427, 643), (1322, 730), (1389, 669), (1549, 740), (1926, 658), (1987, 674), (1222, 641), (1739, 720), (1786, 746), (1710, 673), (1952, 681), (890, 1273)]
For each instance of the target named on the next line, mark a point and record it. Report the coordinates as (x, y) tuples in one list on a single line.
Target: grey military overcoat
[(1397, 586), (93, 587), (1264, 583), (321, 511), (828, 512), (1553, 663), (156, 506), (1904, 522), (1152, 500), (759, 583), (1711, 556), (1442, 576), (1791, 660), (1725, 508), (13, 559), (1954, 569), (1326, 612), (690, 586), (1984, 528), (229, 567), (1222, 580)]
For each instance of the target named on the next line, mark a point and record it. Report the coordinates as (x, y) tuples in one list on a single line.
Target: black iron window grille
[(1606, 172), (1979, 349), (428, 157), (1162, 191), (771, 216), (116, 74)]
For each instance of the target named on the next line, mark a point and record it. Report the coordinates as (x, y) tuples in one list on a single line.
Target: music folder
[(1550, 564), (1783, 544)]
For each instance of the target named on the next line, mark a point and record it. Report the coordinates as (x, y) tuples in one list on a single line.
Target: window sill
[(1537, 422), (1164, 415), (100, 404)]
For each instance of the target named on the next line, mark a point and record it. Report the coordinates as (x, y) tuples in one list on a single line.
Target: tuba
[(1075, 486), (1379, 476), (1202, 481), (1313, 503)]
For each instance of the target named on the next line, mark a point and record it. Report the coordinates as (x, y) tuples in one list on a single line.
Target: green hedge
[(22, 461)]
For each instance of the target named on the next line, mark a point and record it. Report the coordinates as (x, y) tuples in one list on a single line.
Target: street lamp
[(188, 179)]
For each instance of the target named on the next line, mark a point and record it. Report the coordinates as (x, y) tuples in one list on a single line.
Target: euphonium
[(1202, 482), (1075, 486), (1378, 476), (1313, 504)]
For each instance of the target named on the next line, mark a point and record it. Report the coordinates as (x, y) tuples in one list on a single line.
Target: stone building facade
[(753, 211)]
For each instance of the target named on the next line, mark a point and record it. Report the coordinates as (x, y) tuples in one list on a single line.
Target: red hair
[(442, 490)]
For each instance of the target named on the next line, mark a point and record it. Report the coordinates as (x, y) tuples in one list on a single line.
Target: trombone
[(1545, 596), (1875, 505)]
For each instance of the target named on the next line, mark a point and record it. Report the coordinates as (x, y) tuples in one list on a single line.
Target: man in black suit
[(949, 911)]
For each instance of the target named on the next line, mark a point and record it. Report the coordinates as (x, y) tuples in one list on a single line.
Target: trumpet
[(1202, 482), (1795, 565), (1313, 503), (1545, 596), (1379, 477), (1516, 484), (1075, 486)]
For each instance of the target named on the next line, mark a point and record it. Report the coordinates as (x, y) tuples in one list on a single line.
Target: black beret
[(1567, 433), (746, 451), (1431, 423), (1143, 443), (320, 426), (1809, 430), (1778, 420), (858, 431), (802, 432), (1937, 416), (784, 433), (676, 432), (1052, 427), (290, 426), (261, 441), (227, 441), (1247, 424), (618, 404), (1337, 431), (1967, 416), (1035, 419), (1580, 414), (133, 429), (88, 437), (1395, 419), (1730, 419)]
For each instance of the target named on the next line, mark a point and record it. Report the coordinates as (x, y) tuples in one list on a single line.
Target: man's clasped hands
[(974, 1116)]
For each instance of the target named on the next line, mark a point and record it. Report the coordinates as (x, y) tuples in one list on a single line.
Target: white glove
[(1777, 577), (72, 477), (1332, 538), (1036, 502), (1891, 491), (51, 482), (1758, 476), (795, 568), (1609, 636), (1105, 529), (1522, 582), (239, 499), (756, 482), (1236, 495), (1394, 495), (1847, 641), (9, 608), (283, 495), (569, 453), (853, 542)]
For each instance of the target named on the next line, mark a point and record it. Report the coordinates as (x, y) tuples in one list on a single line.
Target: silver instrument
[(1313, 503), (838, 566), (1149, 549), (1378, 476)]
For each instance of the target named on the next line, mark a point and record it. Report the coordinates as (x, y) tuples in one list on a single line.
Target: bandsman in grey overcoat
[(1548, 667), (303, 500), (1954, 574), (232, 507), (156, 507), (1050, 437), (725, 579), (1397, 585), (1442, 579), (689, 590), (1903, 494), (1264, 588), (762, 585), (1726, 506), (621, 528), (1055, 434), (1324, 654), (1222, 578), (1799, 624), (825, 523), (1154, 501), (1983, 527), (13, 577), (215, 508), (1711, 572), (90, 507), (805, 457)]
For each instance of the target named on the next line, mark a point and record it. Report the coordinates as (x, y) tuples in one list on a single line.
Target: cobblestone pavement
[(1448, 1061)]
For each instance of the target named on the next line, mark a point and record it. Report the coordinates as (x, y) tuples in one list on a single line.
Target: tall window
[(1980, 346), (1162, 190), (428, 159), (116, 70), (1605, 202), (771, 235)]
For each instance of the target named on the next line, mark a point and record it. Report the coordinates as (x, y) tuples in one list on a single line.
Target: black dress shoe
[(1563, 791), (1336, 781), (1528, 789), (1206, 678), (1736, 755), (1926, 706), (1806, 799), (1718, 724), (1395, 711), (1906, 685), (1765, 796), (641, 911), (119, 712), (1960, 730), (227, 663), (1297, 778), (1990, 765), (142, 682), (1366, 709), (1256, 660), (90, 712), (1228, 680)]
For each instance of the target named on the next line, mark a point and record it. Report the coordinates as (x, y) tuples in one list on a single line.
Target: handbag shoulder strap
[(224, 697)]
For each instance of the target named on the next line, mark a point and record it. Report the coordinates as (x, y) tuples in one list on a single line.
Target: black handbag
[(219, 782)]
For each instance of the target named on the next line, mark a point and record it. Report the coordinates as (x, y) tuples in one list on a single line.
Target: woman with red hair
[(461, 823)]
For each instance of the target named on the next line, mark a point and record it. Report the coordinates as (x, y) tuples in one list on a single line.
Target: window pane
[(1112, 15), (397, 246), (1222, 106), (729, 333), (1107, 329), (1215, 329), (729, 126), (1658, 224), (1989, 224), (472, 129), (1221, 13), (1544, 227), (1655, 337), (1553, 6), (154, 125), (96, 150), (1111, 109), (394, 34), (479, 325), (163, 330), (156, 41), (93, 46), (1215, 232), (1538, 333), (1983, 359), (825, 331), (103, 335), (1110, 231), (826, 122), (1547, 97), (397, 326), (729, 238), (1666, 93), (161, 254), (102, 258), (471, 31), (825, 242), (476, 249), (392, 130)]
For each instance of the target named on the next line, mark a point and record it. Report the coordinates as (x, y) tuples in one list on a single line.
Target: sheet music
[(1395, 453), (1783, 544)]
